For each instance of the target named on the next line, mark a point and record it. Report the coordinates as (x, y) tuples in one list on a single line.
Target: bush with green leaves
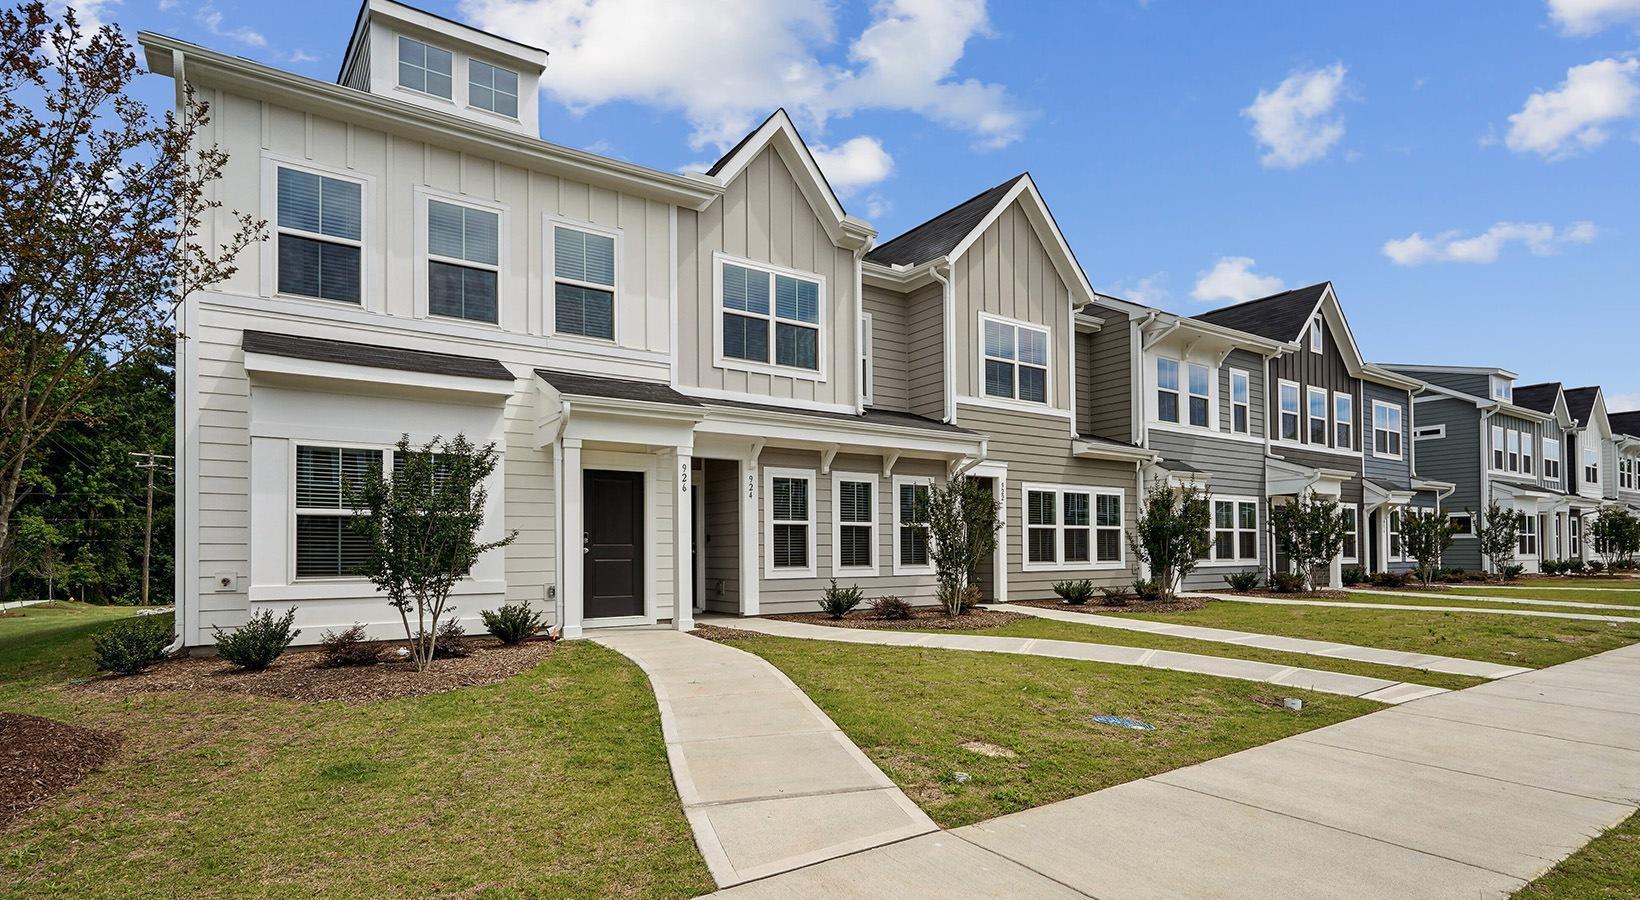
[(1512, 571), (1425, 536), (1309, 531), (1287, 582), (1574, 566), (1389, 579), (1498, 535), (1171, 533), (962, 517), (349, 647), (1076, 593), (836, 602), (1113, 596), (891, 607), (1553, 567), (451, 641), (132, 645), (254, 645), (513, 623), (1353, 576), (958, 601), (1625, 565), (1147, 589), (1242, 582)]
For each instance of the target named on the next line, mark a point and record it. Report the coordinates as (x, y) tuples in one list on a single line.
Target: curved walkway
[(1379, 689), (767, 781), (1437, 595), (1426, 661), (1409, 607)]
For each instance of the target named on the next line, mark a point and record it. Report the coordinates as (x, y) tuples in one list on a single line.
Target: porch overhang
[(837, 435), (1523, 495), (300, 361), (1100, 448), (1177, 474), (609, 410), (1376, 494), (1287, 479), (1441, 489)]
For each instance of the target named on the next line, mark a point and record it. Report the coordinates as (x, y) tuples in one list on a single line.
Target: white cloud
[(1232, 278), (299, 56), (1295, 123), (1585, 17), (1150, 290), (876, 205), (210, 17), (1574, 116), (1623, 402), (856, 163), (1539, 238), (725, 64)]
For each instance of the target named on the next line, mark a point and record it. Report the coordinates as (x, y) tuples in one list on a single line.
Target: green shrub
[(836, 602), (1624, 565), (1114, 596), (450, 642), (891, 607), (132, 645), (1148, 589), (1390, 579), (348, 647), (1286, 582), (257, 643), (1075, 593), (1242, 581), (959, 601), (1511, 572), (513, 623), (1353, 576), (1575, 566)]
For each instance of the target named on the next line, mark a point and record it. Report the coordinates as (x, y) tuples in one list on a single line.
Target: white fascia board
[(900, 278), (1239, 340), (843, 229), (1408, 368), (1380, 375), (448, 31), (1059, 250), (1096, 450), (266, 366), (783, 431)]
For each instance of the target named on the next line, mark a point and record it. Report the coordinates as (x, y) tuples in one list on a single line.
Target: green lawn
[(1434, 598), (1530, 641), (1630, 583), (912, 709), (1606, 869), (1555, 592), (555, 783)]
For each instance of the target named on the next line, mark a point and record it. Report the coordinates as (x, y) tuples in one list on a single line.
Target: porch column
[(683, 528), (750, 534), (1335, 572), (573, 540), (1380, 540)]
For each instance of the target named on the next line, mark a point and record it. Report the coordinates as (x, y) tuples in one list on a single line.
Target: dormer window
[(1503, 389), (492, 88), (1315, 335), (428, 69)]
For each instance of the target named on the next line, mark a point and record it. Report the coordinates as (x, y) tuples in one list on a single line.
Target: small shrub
[(451, 641), (1594, 567), (1389, 579), (891, 607), (1286, 582), (1242, 581), (1574, 566), (1114, 596), (959, 601), (836, 602), (256, 644), (1075, 593), (1624, 565), (1511, 572), (513, 623), (348, 647), (1477, 576), (1354, 575), (1148, 589), (132, 645)]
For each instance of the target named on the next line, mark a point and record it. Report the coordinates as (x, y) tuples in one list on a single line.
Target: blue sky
[(1466, 173)]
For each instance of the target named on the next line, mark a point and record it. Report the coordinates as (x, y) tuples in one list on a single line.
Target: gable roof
[(1625, 422), (779, 132), (940, 235), (1540, 397), (1580, 403), (1282, 317)]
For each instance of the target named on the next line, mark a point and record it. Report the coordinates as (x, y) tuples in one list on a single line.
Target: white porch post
[(1335, 572), (749, 534), (1380, 540), (573, 539), (683, 527)]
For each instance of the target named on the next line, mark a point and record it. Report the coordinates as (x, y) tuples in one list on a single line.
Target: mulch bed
[(41, 758), (297, 675), (1293, 595), (1178, 604), (923, 618)]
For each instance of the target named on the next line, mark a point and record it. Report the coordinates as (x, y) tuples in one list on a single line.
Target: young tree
[(1309, 531), (1616, 535), (962, 518), (1425, 536), (101, 211), (421, 522), (1172, 533), (1498, 534)]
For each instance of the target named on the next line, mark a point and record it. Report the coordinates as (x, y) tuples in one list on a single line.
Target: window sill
[(1226, 563), (1074, 567), (913, 570), (869, 571), (353, 589), (775, 369), (787, 574)]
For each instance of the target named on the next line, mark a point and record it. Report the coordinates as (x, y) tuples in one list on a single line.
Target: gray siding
[(1455, 458), (1253, 365), (1396, 472), (889, 338), (925, 352), (1237, 470), (1104, 388), (1326, 369), (1479, 385), (720, 549)]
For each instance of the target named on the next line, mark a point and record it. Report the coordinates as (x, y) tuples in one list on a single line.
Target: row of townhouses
[(715, 392)]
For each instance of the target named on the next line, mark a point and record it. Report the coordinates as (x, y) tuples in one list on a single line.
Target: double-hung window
[(766, 311), (1528, 536), (1067, 527), (1318, 416), (1343, 420), (583, 264), (1574, 537), (1351, 551), (425, 68), (868, 372), (326, 545), (911, 525), (1625, 472), (1167, 389), (320, 235), (1016, 361), (791, 522), (1528, 458), (1041, 526), (1503, 389), (1240, 402), (1396, 551), (1591, 465), (492, 88), (463, 261), (1201, 394), (854, 510), (1551, 459), (1498, 452), (1386, 429), (1513, 438), (1235, 530), (1289, 411)]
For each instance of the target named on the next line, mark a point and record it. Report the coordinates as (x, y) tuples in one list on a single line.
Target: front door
[(614, 544)]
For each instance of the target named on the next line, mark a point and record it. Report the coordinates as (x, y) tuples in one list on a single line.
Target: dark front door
[(614, 544)]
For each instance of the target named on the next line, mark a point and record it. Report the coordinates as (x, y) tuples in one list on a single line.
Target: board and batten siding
[(1326, 369), (764, 217), (1104, 379)]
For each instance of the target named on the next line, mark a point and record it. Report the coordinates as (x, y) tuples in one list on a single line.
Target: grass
[(1430, 598), (1543, 592), (1054, 629), (911, 710), (554, 782), (1529, 641), (1608, 868)]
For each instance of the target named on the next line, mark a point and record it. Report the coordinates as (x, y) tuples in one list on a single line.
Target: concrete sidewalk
[(1426, 661), (1463, 795), (767, 781), (1408, 607), (1379, 689)]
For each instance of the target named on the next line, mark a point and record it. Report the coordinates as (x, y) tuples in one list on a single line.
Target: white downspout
[(181, 572), (947, 305)]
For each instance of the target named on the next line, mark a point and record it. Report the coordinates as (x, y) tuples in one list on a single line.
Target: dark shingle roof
[(326, 350), (724, 159), (873, 415), (1580, 403), (576, 384), (1540, 397), (1281, 317), (1179, 465), (940, 235), (1626, 422)]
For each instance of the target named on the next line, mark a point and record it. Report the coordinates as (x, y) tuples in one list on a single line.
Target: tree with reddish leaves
[(101, 209)]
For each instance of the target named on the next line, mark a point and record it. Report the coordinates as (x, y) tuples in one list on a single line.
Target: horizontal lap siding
[(1105, 380), (889, 340), (1455, 458), (925, 352), (1236, 469)]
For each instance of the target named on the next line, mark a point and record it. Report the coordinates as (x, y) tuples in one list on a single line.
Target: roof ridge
[(931, 220), (1277, 295)]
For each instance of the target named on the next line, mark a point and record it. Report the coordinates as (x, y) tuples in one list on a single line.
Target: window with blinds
[(319, 230), (764, 311), (1016, 361), (492, 88), (856, 518), (463, 261), (583, 283), (326, 545), (791, 518), (425, 68), (911, 525)]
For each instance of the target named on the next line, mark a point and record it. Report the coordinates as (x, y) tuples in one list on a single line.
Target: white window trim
[(1498, 459), (1213, 559), (271, 164), (292, 510), (1317, 341), (1395, 529), (1502, 389), (1059, 564), (1511, 441), (1528, 453), (823, 324), (1595, 466), (837, 523), (1401, 433), (1155, 399), (1466, 517), (770, 473), (1048, 380), (454, 59), (868, 365), (1529, 529), (468, 102), (1429, 432), (423, 257), (1247, 404), (1347, 421), (1298, 410), (1212, 396), (1355, 516), (1555, 459), (1310, 417), (899, 568), (550, 279)]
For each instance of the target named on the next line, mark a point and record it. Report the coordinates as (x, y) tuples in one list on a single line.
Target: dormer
[(402, 52), (1502, 388)]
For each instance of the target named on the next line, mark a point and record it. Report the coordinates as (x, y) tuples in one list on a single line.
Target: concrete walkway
[(1468, 794), (1379, 689), (1440, 595), (1410, 607), (1426, 661), (768, 782)]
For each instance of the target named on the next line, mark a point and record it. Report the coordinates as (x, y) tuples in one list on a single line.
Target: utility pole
[(150, 461)]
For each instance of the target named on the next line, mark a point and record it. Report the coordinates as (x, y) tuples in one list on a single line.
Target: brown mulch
[(41, 758), (297, 675), (1294, 595), (1178, 604), (923, 618), (721, 635)]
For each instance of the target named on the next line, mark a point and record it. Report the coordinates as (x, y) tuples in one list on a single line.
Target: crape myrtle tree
[(962, 519), (102, 206), (1309, 531), (1498, 535), (1171, 534), (1616, 535), (1426, 535)]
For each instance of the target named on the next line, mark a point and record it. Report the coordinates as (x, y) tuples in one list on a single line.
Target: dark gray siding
[(1104, 384), (1326, 369), (1396, 472), (1237, 470), (1253, 365), (1479, 385), (1455, 458)]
